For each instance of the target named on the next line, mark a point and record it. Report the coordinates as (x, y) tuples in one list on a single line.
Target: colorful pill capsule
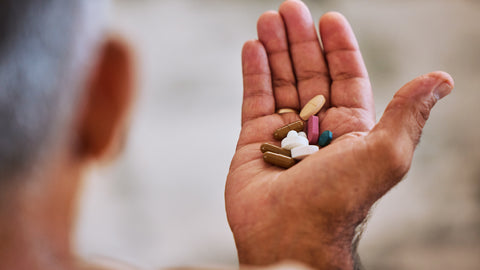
[(312, 107), (325, 138), (268, 147), (313, 131), (278, 160), (293, 140), (282, 132), (303, 151)]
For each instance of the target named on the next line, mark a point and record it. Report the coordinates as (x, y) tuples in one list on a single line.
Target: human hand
[(309, 212)]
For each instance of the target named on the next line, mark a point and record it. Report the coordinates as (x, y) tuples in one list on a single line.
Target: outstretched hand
[(309, 212)]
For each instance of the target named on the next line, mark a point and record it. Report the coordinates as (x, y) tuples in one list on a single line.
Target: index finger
[(310, 68), (258, 99)]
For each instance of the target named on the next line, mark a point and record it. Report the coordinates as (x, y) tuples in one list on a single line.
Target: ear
[(109, 96)]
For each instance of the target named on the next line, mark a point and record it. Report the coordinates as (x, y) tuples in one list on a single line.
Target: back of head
[(45, 51)]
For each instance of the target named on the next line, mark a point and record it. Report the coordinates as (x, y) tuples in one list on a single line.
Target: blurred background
[(161, 203)]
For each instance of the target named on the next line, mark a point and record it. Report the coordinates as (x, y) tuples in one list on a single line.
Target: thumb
[(398, 132)]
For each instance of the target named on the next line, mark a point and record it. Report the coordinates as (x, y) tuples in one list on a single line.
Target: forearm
[(317, 253), (317, 259)]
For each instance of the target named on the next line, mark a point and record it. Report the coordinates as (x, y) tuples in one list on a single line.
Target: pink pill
[(313, 131)]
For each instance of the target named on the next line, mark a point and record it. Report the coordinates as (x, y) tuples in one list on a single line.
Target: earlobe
[(108, 99)]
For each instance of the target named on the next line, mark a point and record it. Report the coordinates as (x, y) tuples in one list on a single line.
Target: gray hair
[(45, 51)]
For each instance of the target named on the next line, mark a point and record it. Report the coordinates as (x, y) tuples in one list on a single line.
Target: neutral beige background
[(161, 203)]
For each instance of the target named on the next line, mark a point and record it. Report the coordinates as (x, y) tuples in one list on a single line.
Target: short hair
[(45, 50)]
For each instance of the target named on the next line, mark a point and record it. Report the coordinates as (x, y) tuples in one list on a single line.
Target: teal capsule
[(325, 138)]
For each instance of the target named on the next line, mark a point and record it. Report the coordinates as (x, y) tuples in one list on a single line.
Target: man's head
[(64, 86)]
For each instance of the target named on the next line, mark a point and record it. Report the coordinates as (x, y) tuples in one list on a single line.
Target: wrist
[(319, 252)]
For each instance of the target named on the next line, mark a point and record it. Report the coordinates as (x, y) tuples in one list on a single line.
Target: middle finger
[(309, 64)]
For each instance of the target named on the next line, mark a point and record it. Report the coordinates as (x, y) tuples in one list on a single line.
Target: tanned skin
[(309, 212)]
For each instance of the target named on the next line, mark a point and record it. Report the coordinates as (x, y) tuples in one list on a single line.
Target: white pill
[(303, 134), (292, 133), (303, 151), (294, 140)]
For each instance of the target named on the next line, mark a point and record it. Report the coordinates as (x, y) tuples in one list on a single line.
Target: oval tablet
[(312, 107), (268, 147), (282, 132), (278, 160)]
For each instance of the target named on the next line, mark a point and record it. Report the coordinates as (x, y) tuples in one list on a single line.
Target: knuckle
[(307, 75), (421, 115), (282, 82), (347, 75), (423, 111)]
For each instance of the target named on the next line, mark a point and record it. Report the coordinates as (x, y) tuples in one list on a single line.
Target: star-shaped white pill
[(294, 139)]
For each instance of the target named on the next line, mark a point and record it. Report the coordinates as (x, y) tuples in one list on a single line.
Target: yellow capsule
[(282, 132), (312, 107), (268, 147), (278, 160)]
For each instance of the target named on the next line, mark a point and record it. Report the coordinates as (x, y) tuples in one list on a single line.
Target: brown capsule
[(278, 160), (268, 147), (282, 132)]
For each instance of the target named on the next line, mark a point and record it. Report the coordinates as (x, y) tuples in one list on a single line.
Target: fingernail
[(442, 90)]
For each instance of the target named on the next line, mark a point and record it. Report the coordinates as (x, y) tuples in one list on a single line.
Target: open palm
[(309, 212)]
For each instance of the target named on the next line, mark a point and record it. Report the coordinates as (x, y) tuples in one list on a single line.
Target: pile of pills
[(299, 139)]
